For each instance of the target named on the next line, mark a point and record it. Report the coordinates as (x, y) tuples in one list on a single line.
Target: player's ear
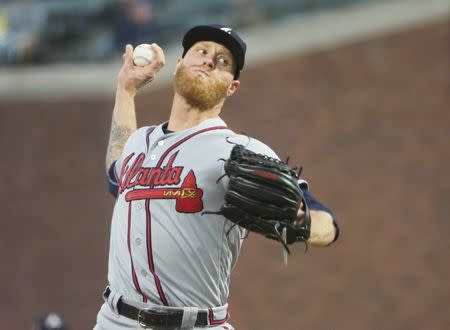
[(233, 87)]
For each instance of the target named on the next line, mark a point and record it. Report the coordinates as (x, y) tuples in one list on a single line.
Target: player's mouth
[(201, 73)]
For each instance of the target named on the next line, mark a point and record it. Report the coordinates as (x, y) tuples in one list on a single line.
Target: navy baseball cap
[(222, 35)]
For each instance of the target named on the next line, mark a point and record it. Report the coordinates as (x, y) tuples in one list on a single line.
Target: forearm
[(323, 230), (123, 124)]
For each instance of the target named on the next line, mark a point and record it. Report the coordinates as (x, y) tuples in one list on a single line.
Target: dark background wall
[(368, 121)]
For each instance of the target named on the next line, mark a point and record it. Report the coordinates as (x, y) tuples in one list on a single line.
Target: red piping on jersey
[(150, 254), (149, 238), (215, 322), (133, 272)]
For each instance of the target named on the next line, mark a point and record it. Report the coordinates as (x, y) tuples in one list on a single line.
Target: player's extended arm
[(130, 79)]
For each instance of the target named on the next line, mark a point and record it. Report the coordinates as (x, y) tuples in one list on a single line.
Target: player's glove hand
[(263, 196)]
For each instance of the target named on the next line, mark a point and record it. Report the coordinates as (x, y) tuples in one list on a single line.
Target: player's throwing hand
[(131, 77)]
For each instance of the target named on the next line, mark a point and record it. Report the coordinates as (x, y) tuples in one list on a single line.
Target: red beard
[(200, 93)]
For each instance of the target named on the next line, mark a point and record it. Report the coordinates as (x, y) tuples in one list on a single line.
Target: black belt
[(149, 318)]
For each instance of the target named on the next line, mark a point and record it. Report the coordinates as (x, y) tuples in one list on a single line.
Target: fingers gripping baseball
[(132, 77), (159, 60)]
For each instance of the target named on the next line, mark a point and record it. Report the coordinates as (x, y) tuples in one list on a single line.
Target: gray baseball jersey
[(162, 249)]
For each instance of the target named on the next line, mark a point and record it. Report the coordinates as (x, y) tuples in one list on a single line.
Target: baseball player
[(170, 259)]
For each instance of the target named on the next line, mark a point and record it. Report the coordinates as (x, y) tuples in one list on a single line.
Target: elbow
[(326, 239), (324, 229)]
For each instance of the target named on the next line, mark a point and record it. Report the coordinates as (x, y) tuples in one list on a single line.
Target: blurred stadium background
[(93, 30), (358, 91)]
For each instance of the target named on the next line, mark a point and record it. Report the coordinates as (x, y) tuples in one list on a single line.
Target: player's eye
[(223, 61), (201, 51)]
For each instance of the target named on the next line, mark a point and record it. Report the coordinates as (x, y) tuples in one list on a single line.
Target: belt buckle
[(156, 319)]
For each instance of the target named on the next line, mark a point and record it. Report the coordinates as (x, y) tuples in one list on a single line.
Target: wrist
[(123, 91)]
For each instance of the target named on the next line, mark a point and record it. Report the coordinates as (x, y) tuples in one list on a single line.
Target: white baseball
[(143, 55)]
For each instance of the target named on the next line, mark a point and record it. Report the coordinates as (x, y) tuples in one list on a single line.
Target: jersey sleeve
[(136, 143), (260, 148), (251, 144)]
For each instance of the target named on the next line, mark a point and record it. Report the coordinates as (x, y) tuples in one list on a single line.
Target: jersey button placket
[(153, 157)]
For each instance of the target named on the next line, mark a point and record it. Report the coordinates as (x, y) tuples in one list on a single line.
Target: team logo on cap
[(227, 30)]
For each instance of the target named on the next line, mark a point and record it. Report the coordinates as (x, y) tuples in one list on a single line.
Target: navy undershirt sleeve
[(113, 185)]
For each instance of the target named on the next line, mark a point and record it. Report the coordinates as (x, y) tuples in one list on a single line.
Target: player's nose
[(209, 62)]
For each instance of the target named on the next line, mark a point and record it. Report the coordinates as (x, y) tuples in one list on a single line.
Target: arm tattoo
[(117, 139)]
